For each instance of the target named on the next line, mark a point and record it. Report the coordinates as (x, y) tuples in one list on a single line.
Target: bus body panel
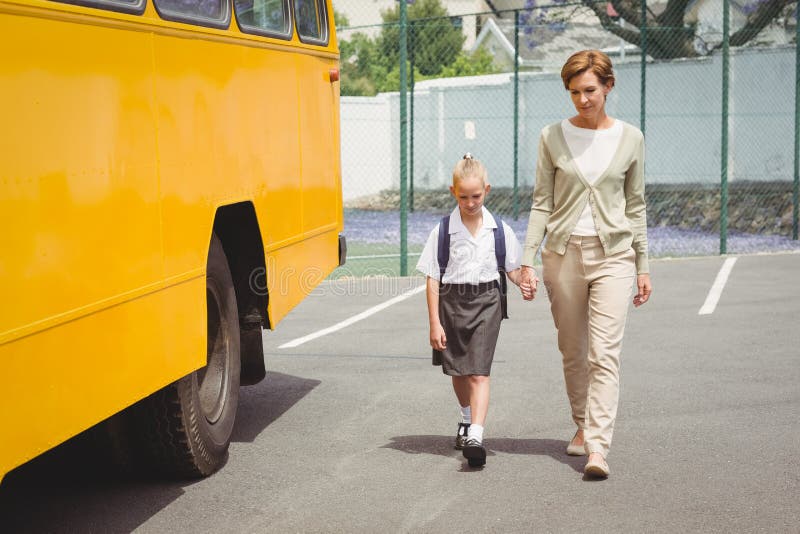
[(293, 272), (272, 162), (78, 149), (64, 379), (317, 142), (127, 134)]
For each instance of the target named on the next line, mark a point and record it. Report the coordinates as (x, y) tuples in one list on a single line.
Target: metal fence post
[(723, 222), (403, 143), (643, 74), (412, 57), (796, 189), (516, 115)]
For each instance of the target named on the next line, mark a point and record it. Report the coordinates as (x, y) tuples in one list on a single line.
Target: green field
[(369, 259)]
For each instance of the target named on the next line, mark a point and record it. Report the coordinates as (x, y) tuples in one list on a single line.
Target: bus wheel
[(189, 422), (209, 396)]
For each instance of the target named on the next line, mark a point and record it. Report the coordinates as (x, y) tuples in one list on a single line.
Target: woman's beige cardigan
[(616, 198)]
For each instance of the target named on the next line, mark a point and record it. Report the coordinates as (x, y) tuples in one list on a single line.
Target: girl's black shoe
[(474, 452), (461, 435)]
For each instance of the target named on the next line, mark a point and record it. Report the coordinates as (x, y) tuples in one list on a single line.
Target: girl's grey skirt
[(470, 315)]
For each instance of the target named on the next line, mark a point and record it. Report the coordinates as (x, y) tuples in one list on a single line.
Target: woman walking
[(589, 201)]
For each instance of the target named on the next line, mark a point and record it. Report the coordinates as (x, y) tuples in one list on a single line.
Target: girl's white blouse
[(472, 259)]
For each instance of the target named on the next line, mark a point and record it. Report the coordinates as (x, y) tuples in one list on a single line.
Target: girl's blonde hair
[(469, 167), (594, 60)]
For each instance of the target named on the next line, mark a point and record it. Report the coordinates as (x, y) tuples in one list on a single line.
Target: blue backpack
[(443, 255)]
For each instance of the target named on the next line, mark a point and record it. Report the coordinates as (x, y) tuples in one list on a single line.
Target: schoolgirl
[(466, 297)]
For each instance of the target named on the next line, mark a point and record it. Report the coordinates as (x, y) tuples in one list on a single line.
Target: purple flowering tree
[(669, 32), (538, 24)]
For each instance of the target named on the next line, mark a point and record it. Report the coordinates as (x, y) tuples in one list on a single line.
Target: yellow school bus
[(169, 185)]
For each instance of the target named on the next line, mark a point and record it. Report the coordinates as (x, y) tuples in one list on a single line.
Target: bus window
[(310, 18), (214, 13), (135, 7), (264, 17)]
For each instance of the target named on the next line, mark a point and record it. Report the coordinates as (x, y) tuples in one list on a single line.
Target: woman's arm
[(635, 207), (636, 212), (541, 208), (437, 336), (542, 205), (643, 289)]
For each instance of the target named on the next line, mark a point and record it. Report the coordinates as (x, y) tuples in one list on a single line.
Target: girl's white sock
[(466, 414), (475, 431)]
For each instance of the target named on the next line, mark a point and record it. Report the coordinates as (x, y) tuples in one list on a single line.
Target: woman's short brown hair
[(594, 60)]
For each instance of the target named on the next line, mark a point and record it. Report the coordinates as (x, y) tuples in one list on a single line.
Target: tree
[(479, 62), (435, 45), (340, 19), (361, 65), (669, 34), (434, 39)]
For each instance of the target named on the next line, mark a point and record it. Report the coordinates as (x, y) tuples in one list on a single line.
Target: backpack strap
[(443, 250), (500, 255)]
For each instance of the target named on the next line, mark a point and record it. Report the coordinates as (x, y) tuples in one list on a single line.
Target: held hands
[(528, 281), (644, 289), (438, 338), (527, 290)]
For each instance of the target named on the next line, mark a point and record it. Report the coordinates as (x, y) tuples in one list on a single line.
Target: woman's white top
[(472, 259), (592, 151)]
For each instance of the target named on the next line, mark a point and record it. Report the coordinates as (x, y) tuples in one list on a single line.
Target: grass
[(371, 259)]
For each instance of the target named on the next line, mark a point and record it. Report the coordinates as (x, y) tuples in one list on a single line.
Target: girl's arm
[(437, 336)]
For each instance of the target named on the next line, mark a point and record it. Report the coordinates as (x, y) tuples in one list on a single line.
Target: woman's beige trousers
[(589, 296)]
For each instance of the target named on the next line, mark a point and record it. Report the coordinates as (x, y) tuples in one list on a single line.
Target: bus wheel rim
[(213, 379)]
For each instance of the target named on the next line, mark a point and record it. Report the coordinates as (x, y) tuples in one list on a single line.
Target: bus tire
[(190, 421)]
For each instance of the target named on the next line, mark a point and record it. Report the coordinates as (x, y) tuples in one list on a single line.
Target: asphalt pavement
[(353, 431)]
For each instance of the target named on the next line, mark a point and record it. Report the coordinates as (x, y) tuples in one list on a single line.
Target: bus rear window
[(311, 21), (264, 17), (214, 13)]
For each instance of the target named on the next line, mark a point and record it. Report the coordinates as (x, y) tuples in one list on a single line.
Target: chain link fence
[(716, 100)]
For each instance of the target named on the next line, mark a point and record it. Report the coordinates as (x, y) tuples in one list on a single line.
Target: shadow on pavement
[(262, 404), (443, 446), (75, 487)]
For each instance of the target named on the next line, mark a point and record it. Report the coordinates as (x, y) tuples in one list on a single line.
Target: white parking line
[(716, 290), (353, 319)]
